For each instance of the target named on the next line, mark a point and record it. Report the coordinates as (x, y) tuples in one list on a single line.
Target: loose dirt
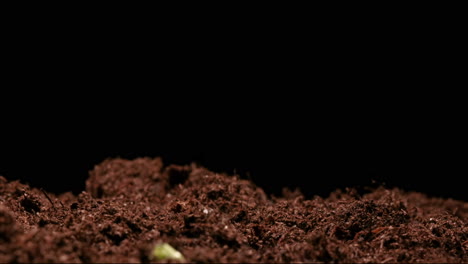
[(129, 206)]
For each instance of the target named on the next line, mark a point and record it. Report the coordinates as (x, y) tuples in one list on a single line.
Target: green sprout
[(164, 251)]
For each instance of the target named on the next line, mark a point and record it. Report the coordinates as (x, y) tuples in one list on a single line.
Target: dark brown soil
[(129, 206)]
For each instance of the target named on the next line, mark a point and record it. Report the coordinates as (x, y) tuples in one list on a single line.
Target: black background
[(316, 148), (309, 110)]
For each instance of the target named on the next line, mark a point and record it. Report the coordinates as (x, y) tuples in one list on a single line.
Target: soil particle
[(7, 225), (130, 206)]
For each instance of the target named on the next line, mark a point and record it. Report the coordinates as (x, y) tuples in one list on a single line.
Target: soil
[(129, 206)]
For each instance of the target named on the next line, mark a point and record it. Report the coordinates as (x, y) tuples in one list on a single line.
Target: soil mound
[(129, 206)]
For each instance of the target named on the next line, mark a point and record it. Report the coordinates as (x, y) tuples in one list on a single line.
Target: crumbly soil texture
[(130, 206)]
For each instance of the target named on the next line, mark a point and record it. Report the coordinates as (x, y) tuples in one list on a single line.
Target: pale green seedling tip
[(164, 251)]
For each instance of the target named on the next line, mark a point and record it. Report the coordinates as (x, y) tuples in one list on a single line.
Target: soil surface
[(129, 206)]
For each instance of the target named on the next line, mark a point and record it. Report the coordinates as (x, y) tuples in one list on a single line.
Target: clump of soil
[(129, 206)]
